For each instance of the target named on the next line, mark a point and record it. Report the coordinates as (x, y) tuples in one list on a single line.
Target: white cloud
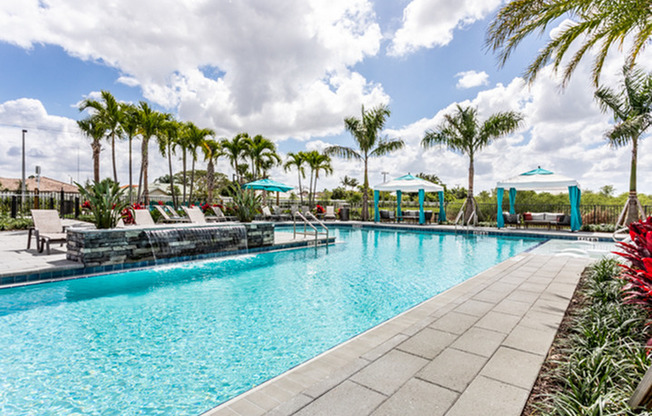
[(430, 23), (471, 79), (280, 69)]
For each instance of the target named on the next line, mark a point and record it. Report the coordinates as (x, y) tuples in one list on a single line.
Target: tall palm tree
[(348, 181), (195, 137), (235, 149), (365, 131), (462, 132), (129, 125), (296, 160), (602, 23), (212, 152), (316, 162), (92, 127), (632, 108), (260, 151), (149, 124), (110, 112), (167, 140)]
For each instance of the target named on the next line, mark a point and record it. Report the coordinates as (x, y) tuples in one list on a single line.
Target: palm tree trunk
[(315, 187), (140, 182), (145, 166), (312, 171), (632, 204), (300, 191), (192, 178), (131, 200), (210, 178), (365, 192), (115, 171), (184, 176), (471, 204), (96, 160), (174, 197)]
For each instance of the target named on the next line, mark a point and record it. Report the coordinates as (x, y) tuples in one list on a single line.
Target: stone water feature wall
[(132, 244)]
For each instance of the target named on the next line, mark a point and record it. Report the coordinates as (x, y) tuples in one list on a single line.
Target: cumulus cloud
[(471, 79), (277, 69), (430, 23)]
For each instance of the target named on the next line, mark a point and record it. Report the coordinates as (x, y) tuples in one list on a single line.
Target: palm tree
[(365, 132), (167, 143), (195, 137), (296, 160), (110, 112), (149, 124), (92, 127), (632, 108), (347, 181), (462, 132), (212, 151), (261, 151), (316, 162), (235, 149), (129, 125), (601, 23)]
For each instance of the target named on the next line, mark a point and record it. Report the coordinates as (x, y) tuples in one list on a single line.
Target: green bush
[(107, 202), (7, 223)]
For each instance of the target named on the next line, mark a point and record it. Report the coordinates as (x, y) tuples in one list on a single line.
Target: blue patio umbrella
[(268, 185)]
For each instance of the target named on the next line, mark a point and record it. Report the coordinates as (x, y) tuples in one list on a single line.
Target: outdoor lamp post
[(22, 200)]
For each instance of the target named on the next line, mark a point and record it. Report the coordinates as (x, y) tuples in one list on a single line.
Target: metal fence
[(18, 205)]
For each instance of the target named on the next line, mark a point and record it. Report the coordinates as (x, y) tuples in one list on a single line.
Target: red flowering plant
[(127, 214), (319, 209), (638, 274)]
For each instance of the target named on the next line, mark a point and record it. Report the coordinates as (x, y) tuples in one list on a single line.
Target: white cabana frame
[(409, 183)]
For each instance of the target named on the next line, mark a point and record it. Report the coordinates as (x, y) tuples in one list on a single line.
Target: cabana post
[(409, 183)]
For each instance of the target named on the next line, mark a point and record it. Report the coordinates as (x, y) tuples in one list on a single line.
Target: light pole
[(22, 200)]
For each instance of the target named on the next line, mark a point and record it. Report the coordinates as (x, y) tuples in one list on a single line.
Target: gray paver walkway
[(475, 349)]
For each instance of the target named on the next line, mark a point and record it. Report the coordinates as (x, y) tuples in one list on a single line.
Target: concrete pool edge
[(507, 306)]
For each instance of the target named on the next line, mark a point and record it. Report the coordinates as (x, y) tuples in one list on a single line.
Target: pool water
[(182, 339)]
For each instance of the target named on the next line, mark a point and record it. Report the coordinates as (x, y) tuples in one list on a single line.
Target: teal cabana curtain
[(512, 200), (376, 212), (422, 197), (574, 194), (398, 205), (442, 207), (499, 204)]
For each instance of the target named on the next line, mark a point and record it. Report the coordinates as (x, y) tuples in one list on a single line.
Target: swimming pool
[(182, 339)]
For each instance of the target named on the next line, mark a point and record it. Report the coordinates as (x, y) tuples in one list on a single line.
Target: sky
[(293, 71)]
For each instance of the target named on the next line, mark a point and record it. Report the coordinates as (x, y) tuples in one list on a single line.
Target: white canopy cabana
[(540, 180), (409, 183)]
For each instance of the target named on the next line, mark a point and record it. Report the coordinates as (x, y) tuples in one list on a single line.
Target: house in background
[(46, 185)]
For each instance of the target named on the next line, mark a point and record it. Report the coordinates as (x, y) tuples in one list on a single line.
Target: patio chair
[(167, 218), (267, 214), (143, 218), (282, 216), (386, 215), (47, 229), (330, 213), (195, 215), (220, 215)]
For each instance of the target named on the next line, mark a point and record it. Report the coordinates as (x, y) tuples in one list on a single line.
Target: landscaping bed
[(599, 355)]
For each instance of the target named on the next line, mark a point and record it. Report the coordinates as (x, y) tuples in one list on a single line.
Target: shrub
[(247, 203), (638, 274), (106, 202)]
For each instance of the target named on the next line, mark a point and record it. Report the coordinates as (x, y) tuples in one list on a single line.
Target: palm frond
[(343, 152)]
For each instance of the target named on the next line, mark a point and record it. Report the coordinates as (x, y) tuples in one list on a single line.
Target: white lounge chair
[(167, 218), (143, 218), (220, 215), (47, 229), (330, 213), (195, 215)]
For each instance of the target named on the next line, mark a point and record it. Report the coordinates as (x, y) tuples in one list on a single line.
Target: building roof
[(46, 185)]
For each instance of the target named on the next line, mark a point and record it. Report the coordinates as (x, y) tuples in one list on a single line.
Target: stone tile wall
[(127, 245)]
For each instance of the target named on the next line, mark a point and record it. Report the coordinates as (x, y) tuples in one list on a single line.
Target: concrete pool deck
[(474, 349)]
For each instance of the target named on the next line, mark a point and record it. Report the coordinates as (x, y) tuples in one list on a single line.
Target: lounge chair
[(330, 213), (220, 215), (282, 216), (386, 215), (143, 218), (47, 229), (167, 218), (267, 215), (195, 215), (512, 219)]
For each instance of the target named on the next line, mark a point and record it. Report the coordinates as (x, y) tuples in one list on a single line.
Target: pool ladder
[(313, 229)]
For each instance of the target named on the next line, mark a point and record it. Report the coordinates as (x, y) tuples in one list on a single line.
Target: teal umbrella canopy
[(268, 185)]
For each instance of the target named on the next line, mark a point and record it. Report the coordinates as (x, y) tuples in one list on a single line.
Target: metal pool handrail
[(307, 223)]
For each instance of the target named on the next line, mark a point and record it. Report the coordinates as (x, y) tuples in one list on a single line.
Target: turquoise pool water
[(182, 339)]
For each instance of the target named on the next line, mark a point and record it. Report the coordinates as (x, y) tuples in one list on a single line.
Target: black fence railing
[(18, 205)]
